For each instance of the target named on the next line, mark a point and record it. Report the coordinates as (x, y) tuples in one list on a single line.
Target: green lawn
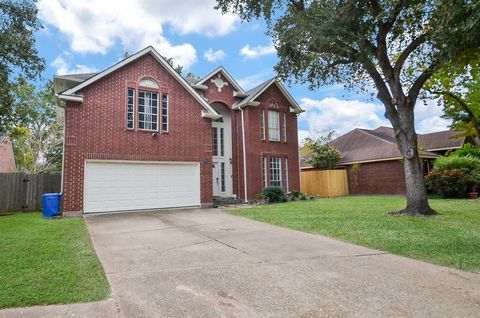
[(451, 238), (47, 262)]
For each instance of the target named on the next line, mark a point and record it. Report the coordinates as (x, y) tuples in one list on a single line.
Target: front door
[(219, 178)]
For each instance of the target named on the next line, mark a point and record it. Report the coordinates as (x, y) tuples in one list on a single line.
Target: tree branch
[(383, 93), (406, 53), (420, 81), (463, 104)]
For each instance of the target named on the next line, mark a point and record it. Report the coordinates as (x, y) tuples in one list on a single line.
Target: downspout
[(244, 156), (63, 146)]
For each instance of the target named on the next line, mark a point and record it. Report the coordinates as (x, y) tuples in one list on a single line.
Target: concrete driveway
[(206, 263)]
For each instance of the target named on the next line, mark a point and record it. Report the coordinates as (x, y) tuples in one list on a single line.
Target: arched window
[(148, 82), (272, 104)]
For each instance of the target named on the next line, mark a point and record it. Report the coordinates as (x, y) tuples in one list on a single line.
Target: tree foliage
[(458, 88), (323, 154), (394, 45), (38, 142), (18, 55)]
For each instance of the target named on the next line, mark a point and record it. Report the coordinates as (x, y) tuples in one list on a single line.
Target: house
[(374, 163), (140, 136), (7, 158)]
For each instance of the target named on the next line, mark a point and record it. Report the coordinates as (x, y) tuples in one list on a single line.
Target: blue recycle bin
[(51, 204)]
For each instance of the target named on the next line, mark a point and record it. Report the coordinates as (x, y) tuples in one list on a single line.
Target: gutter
[(73, 98)]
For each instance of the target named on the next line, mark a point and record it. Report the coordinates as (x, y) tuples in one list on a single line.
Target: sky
[(81, 36)]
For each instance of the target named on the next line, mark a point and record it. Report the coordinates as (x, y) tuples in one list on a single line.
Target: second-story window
[(273, 125), (284, 127), (148, 111), (262, 125), (130, 108), (165, 113)]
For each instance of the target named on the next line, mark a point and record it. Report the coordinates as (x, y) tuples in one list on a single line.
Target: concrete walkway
[(206, 263)]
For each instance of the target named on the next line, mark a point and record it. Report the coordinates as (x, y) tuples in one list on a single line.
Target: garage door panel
[(116, 186)]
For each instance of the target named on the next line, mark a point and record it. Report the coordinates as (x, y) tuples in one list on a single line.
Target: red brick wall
[(257, 149), (383, 177), (96, 129)]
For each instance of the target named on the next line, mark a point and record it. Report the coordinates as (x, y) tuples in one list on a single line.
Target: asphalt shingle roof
[(362, 145)]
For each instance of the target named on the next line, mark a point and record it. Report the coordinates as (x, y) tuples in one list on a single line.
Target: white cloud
[(257, 51), (93, 26), (63, 68), (323, 116), (214, 56), (251, 81), (427, 117)]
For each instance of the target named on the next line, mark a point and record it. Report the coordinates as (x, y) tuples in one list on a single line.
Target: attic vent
[(148, 82)]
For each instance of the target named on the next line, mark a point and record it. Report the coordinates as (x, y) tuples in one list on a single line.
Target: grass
[(47, 262), (451, 238)]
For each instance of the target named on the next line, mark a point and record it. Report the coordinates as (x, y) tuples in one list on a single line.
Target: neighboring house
[(140, 136), (7, 158), (374, 163)]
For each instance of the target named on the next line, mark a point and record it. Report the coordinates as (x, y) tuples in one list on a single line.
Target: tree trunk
[(417, 200)]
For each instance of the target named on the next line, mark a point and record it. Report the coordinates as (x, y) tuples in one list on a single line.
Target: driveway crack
[(226, 244), (362, 255)]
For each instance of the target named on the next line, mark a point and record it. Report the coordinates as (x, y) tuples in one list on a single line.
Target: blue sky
[(88, 35)]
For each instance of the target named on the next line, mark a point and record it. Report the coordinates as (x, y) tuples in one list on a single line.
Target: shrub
[(324, 155), (467, 150), (448, 183), (274, 194), (295, 194), (466, 164)]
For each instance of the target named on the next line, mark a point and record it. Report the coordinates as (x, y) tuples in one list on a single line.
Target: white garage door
[(120, 186)]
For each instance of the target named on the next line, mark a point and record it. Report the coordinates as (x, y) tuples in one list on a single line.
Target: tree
[(458, 88), (18, 55), (38, 143), (323, 154), (394, 45)]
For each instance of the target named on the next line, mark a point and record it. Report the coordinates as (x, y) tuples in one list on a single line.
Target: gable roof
[(224, 72), (442, 140), (76, 77), (72, 93), (255, 92), (365, 145)]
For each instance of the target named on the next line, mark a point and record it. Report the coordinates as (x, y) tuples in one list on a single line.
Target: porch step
[(223, 201)]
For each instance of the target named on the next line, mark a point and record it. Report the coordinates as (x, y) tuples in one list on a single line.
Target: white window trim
[(284, 127), (279, 161), (168, 113), (133, 113), (265, 173), (287, 185), (262, 125), (277, 128), (158, 115)]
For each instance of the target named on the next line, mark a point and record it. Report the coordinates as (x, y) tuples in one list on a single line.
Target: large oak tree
[(393, 45), (18, 54)]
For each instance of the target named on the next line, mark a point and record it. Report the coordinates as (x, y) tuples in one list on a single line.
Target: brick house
[(140, 136), (374, 163)]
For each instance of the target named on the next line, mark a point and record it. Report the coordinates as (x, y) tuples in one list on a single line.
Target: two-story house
[(140, 136)]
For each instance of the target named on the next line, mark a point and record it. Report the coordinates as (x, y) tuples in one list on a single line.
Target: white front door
[(219, 185)]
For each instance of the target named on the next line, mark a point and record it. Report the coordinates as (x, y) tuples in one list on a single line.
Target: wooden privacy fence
[(20, 192), (325, 183)]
